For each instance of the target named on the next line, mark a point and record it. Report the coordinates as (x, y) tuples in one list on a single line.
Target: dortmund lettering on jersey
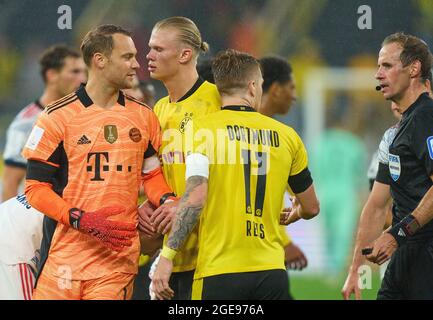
[(176, 125), (252, 158)]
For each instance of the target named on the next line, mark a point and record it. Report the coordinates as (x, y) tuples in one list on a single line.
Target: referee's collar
[(239, 108), (87, 101)]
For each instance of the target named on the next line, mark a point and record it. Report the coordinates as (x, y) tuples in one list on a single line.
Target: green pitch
[(321, 288)]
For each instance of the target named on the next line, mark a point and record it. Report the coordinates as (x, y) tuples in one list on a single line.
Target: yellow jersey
[(252, 159), (176, 119)]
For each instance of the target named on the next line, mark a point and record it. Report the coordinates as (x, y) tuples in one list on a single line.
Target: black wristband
[(165, 196), (75, 215), (404, 229)]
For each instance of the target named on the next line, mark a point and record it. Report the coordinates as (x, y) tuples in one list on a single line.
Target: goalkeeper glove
[(115, 235)]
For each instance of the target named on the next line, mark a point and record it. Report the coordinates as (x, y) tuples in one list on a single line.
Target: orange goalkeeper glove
[(115, 235)]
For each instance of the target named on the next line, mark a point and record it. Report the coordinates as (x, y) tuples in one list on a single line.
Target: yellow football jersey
[(176, 120), (252, 158)]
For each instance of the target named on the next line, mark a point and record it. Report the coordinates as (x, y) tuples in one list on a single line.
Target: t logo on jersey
[(97, 168), (394, 166), (430, 146), (110, 133)]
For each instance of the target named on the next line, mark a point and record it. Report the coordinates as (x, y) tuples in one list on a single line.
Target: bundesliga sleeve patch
[(394, 166), (35, 137), (430, 146)]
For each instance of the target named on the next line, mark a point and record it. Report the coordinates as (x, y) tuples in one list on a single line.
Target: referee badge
[(110, 133), (394, 166), (430, 146)]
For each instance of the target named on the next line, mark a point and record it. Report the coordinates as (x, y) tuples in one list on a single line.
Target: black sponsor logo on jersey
[(110, 133), (184, 122), (100, 161), (135, 135), (84, 140)]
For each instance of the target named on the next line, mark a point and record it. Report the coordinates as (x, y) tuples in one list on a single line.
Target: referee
[(404, 65)]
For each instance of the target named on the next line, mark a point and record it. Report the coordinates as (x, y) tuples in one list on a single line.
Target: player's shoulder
[(29, 111), (425, 108), (129, 100), (208, 90), (278, 125), (389, 134), (60, 106), (207, 86), (162, 102)]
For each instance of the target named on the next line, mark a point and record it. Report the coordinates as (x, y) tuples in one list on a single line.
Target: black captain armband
[(301, 181), (165, 196), (404, 229)]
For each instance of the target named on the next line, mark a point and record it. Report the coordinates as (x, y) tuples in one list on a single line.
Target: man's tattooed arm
[(188, 211)]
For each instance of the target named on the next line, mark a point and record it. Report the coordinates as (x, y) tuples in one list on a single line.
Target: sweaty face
[(122, 65), (72, 74), (286, 96), (164, 53), (393, 78)]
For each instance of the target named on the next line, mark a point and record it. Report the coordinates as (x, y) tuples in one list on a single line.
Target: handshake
[(116, 235), (153, 222)]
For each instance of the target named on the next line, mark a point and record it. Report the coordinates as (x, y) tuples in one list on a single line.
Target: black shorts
[(258, 285), (181, 283), (142, 283), (410, 273)]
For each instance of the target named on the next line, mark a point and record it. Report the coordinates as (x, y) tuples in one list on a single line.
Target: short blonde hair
[(233, 70), (188, 32)]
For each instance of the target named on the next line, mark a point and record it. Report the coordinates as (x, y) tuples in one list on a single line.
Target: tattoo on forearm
[(188, 213)]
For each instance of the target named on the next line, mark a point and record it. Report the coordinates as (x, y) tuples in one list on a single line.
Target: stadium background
[(338, 113)]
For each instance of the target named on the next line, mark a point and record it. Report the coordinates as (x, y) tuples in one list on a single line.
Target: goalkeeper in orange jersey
[(87, 156)]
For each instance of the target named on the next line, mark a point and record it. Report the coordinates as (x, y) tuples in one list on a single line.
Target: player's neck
[(180, 84), (235, 101), (266, 106), (49, 96), (410, 96), (102, 94)]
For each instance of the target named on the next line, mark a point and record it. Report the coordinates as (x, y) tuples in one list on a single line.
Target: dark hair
[(204, 69), (233, 70), (54, 58), (413, 49), (275, 69), (100, 40)]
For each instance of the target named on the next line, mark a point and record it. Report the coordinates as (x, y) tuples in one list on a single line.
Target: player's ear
[(186, 54), (51, 75), (252, 88), (274, 90), (415, 69), (99, 60)]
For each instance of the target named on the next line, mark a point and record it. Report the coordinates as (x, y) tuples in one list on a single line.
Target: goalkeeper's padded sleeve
[(155, 187), (42, 197), (113, 234)]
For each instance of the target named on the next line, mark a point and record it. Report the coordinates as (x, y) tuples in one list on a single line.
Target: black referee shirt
[(411, 161)]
